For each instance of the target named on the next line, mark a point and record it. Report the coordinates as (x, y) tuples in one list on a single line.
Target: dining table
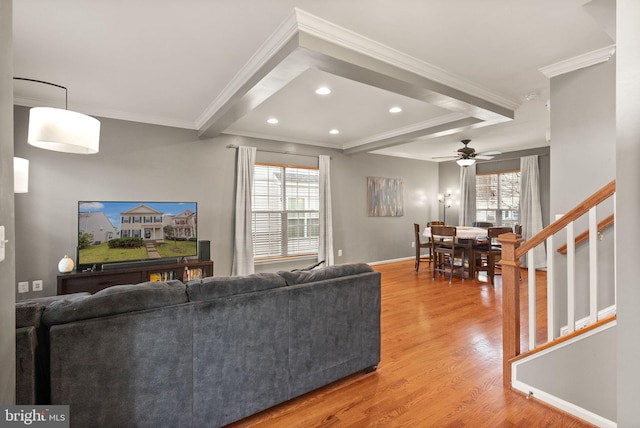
[(466, 236)]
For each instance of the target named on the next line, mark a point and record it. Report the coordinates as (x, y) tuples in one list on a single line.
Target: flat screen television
[(117, 232)]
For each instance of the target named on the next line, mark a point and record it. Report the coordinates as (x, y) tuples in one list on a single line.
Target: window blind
[(285, 213), (498, 198)]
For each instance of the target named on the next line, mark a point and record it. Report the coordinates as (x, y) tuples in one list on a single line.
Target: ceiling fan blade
[(490, 153), (445, 157), (483, 157)]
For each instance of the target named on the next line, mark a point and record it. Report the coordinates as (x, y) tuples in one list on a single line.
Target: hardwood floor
[(441, 365)]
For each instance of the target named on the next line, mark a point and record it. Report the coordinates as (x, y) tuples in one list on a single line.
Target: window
[(285, 217), (498, 198)]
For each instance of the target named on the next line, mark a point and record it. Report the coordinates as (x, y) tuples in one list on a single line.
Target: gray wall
[(553, 369), (7, 267), (583, 141), (628, 206), (149, 162)]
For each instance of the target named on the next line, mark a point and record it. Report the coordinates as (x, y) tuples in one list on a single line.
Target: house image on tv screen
[(142, 222), (184, 224), (97, 225)]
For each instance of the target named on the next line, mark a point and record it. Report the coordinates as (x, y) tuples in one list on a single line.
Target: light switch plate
[(23, 286)]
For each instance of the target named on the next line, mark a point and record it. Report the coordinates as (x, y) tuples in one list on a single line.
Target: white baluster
[(571, 279), (593, 266), (551, 319), (532, 298)]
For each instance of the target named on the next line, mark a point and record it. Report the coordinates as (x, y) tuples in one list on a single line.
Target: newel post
[(510, 302)]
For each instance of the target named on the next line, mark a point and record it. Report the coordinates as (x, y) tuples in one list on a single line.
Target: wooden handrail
[(566, 338), (607, 222), (555, 227)]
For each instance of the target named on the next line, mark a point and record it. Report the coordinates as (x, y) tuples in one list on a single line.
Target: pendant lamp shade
[(20, 175), (63, 131)]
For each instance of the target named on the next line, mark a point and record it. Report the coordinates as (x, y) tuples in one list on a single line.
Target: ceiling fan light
[(63, 131), (465, 162)]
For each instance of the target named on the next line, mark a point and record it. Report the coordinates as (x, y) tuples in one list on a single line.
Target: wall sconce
[(62, 130), (446, 201), (20, 175)]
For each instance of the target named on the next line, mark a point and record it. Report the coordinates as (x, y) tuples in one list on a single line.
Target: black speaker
[(204, 251)]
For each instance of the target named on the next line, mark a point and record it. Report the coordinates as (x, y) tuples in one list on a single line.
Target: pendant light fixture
[(20, 175), (62, 130)]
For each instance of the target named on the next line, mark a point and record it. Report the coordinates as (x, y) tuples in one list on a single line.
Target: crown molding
[(581, 61), (110, 114)]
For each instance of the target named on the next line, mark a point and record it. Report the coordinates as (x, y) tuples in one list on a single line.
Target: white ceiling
[(228, 65)]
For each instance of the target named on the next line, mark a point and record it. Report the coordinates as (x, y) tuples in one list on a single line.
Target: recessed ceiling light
[(272, 120), (323, 90), (395, 110), (334, 131)]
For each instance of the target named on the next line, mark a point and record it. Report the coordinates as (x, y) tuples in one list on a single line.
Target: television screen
[(113, 232)]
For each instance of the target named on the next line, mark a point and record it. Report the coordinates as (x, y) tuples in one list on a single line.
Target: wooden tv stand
[(92, 282)]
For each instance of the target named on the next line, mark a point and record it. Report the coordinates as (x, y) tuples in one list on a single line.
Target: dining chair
[(488, 254), (517, 229), (419, 244), (484, 224), (448, 256), (435, 223)]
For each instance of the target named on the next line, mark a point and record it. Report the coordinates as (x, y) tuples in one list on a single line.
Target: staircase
[(569, 360)]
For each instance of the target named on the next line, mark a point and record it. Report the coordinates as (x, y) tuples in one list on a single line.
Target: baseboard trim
[(563, 405), (382, 262)]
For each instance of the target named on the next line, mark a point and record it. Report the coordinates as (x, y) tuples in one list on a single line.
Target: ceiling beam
[(305, 41)]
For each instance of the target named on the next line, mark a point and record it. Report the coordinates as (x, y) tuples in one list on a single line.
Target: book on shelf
[(192, 273), (162, 276)]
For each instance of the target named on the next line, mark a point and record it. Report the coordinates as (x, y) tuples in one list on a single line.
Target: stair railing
[(514, 248)]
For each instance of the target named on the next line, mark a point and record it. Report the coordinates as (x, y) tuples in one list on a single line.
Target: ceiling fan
[(467, 155)]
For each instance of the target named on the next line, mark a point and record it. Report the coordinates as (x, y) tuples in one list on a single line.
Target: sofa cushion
[(114, 300), (28, 314), (329, 272), (215, 287)]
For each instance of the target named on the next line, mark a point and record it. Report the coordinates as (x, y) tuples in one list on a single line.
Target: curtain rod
[(233, 146), (508, 159)]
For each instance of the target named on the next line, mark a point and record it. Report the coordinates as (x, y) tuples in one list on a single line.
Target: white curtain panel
[(530, 208), (467, 213), (325, 246), (243, 244)]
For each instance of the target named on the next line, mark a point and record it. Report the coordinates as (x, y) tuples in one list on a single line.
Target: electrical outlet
[(413, 244), (37, 285), (339, 253), (23, 286)]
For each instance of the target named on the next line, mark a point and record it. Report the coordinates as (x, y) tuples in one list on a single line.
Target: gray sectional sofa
[(208, 352)]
